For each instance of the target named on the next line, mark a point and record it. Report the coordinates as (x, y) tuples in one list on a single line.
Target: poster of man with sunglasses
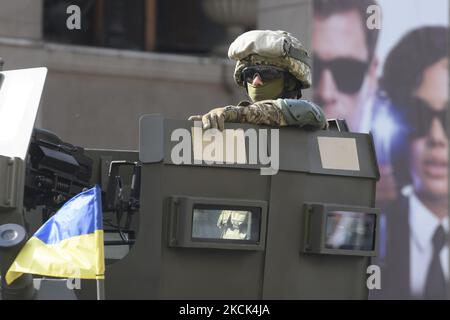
[(344, 61), (393, 82), (415, 80)]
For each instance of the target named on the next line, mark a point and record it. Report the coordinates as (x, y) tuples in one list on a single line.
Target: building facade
[(94, 95)]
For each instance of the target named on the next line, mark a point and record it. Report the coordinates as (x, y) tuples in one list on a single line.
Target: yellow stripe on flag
[(75, 257)]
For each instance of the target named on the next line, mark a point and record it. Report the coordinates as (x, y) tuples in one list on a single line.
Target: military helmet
[(276, 48)]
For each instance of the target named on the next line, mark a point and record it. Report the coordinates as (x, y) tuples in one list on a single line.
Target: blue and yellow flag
[(69, 245)]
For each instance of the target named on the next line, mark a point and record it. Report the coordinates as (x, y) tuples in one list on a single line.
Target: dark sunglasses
[(420, 115), (266, 73), (348, 73)]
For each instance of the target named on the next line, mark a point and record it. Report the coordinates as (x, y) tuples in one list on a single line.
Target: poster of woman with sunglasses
[(393, 82)]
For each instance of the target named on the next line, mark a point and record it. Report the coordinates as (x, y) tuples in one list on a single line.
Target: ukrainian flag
[(69, 245)]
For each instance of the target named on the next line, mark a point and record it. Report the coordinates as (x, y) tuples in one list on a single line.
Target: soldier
[(273, 67)]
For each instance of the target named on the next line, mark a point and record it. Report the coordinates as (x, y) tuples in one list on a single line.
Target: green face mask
[(268, 91)]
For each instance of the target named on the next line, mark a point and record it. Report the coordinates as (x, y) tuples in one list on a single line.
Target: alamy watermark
[(74, 282), (212, 146), (73, 22), (374, 280), (374, 19)]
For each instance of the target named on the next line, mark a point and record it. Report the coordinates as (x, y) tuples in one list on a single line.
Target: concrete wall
[(21, 18), (94, 97)]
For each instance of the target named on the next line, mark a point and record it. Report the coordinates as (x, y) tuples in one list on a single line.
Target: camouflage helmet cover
[(276, 48)]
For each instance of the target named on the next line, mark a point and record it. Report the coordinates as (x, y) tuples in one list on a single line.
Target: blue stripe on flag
[(74, 218)]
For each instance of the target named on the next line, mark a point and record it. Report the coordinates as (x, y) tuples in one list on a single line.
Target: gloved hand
[(261, 112), (215, 118)]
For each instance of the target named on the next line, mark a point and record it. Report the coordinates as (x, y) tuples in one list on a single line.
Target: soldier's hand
[(213, 119)]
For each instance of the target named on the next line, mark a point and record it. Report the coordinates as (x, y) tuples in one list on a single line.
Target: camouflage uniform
[(266, 112)]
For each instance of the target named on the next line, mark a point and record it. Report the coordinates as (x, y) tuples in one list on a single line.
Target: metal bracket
[(9, 172)]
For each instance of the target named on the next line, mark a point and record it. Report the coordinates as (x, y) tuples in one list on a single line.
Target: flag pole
[(100, 289)]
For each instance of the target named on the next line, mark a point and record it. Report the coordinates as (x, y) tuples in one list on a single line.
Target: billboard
[(383, 67)]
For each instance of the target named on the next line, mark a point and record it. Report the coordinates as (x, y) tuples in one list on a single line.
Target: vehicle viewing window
[(231, 224), (226, 224), (350, 231)]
